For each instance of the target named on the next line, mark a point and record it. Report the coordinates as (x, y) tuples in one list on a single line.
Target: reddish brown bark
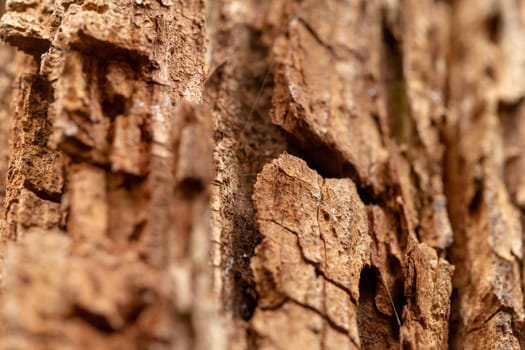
[(109, 145), (251, 174)]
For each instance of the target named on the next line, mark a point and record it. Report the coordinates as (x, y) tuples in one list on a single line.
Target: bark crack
[(313, 263)]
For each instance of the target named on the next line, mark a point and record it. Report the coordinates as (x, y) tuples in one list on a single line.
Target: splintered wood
[(346, 175)]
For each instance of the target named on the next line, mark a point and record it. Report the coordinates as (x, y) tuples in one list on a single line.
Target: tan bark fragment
[(327, 73), (317, 245)]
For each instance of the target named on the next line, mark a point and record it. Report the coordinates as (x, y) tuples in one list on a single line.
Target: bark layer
[(7, 76), (109, 143), (346, 174)]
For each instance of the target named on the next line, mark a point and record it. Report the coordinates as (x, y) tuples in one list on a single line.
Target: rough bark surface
[(109, 144), (7, 76), (485, 205), (249, 174)]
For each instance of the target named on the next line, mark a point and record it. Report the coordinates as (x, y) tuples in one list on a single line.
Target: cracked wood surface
[(250, 174), (325, 251)]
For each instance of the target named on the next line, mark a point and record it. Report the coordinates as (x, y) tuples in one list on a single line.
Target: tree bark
[(7, 73), (242, 174)]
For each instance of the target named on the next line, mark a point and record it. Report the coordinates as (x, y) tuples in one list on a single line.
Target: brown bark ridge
[(345, 175), (109, 144), (238, 91), (7, 75), (485, 200)]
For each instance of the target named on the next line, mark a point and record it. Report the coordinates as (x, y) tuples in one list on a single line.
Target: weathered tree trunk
[(242, 174)]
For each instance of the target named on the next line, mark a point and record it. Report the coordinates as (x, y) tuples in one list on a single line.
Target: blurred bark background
[(242, 174)]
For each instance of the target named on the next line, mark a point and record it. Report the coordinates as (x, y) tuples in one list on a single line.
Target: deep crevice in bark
[(375, 330), (400, 122), (99, 322)]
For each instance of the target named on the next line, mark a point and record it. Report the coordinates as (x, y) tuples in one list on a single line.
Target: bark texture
[(109, 144), (7, 75), (249, 174)]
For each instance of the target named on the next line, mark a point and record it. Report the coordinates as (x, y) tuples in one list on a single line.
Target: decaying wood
[(6, 91), (109, 144), (7, 75), (249, 174), (485, 101), (238, 91), (358, 114)]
